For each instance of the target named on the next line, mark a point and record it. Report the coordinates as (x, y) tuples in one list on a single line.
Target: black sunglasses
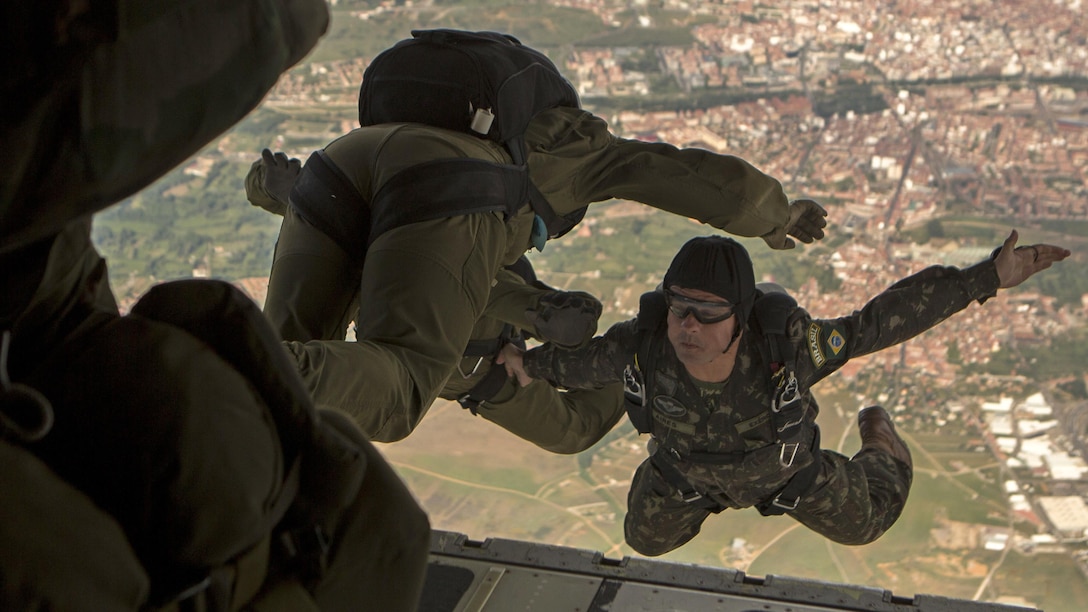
[(704, 312)]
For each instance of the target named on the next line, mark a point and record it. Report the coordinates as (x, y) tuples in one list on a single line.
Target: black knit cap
[(718, 265)]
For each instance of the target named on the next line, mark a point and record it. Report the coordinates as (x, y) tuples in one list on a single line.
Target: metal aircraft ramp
[(498, 575)]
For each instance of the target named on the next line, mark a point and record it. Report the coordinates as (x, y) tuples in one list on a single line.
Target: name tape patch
[(814, 350)]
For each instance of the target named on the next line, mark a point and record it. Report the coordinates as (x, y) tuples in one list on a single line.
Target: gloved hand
[(807, 220), (566, 318), (270, 179)]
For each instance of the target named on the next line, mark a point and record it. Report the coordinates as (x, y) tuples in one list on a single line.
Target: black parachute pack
[(769, 317), (482, 83), (117, 421), (323, 466)]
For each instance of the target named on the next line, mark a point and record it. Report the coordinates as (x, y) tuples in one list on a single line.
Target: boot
[(877, 431)]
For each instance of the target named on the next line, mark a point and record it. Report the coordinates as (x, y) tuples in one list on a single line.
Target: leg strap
[(789, 496)]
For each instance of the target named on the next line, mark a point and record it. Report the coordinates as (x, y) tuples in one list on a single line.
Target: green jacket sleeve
[(574, 160)]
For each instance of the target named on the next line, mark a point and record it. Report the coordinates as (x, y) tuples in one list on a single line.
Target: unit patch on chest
[(669, 406), (670, 413)]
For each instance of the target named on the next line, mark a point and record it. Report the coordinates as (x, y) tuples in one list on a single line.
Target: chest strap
[(771, 314), (448, 188), (327, 199)]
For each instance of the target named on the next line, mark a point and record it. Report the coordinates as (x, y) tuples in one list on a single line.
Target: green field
[(1051, 580)]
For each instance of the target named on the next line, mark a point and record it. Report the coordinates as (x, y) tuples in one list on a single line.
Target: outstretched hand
[(1016, 264), (807, 222), (510, 358)]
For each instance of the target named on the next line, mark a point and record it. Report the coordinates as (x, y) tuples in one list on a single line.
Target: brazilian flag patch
[(825, 343)]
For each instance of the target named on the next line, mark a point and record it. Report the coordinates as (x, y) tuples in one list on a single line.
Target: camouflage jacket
[(733, 417)]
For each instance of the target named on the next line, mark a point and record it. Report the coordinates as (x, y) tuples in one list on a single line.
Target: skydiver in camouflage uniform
[(709, 391)]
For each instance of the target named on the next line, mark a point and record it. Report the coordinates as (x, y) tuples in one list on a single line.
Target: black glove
[(806, 223), (566, 318)]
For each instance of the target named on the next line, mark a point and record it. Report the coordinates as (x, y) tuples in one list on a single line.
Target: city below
[(928, 130)]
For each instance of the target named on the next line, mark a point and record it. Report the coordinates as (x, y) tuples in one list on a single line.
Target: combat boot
[(877, 431)]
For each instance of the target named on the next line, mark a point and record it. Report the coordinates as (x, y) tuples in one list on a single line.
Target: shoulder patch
[(825, 342)]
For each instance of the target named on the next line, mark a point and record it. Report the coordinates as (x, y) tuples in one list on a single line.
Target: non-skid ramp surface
[(500, 575)]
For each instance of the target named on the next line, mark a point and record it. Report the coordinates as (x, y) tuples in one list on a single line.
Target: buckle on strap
[(787, 407), (305, 550), (786, 505), (475, 368), (788, 394), (467, 401), (791, 449), (691, 496), (687, 493)]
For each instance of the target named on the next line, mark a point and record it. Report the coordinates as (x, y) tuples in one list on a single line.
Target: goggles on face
[(704, 312)]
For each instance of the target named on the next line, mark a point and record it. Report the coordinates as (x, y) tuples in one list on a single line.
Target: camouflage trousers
[(853, 501)]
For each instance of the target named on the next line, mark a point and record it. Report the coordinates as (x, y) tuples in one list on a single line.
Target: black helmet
[(718, 265)]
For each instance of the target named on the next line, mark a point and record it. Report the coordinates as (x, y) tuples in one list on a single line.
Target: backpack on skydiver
[(322, 467), (315, 531), (768, 320), (267, 553), (483, 83)]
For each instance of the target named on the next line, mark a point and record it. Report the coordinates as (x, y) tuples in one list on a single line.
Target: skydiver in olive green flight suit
[(563, 422)]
